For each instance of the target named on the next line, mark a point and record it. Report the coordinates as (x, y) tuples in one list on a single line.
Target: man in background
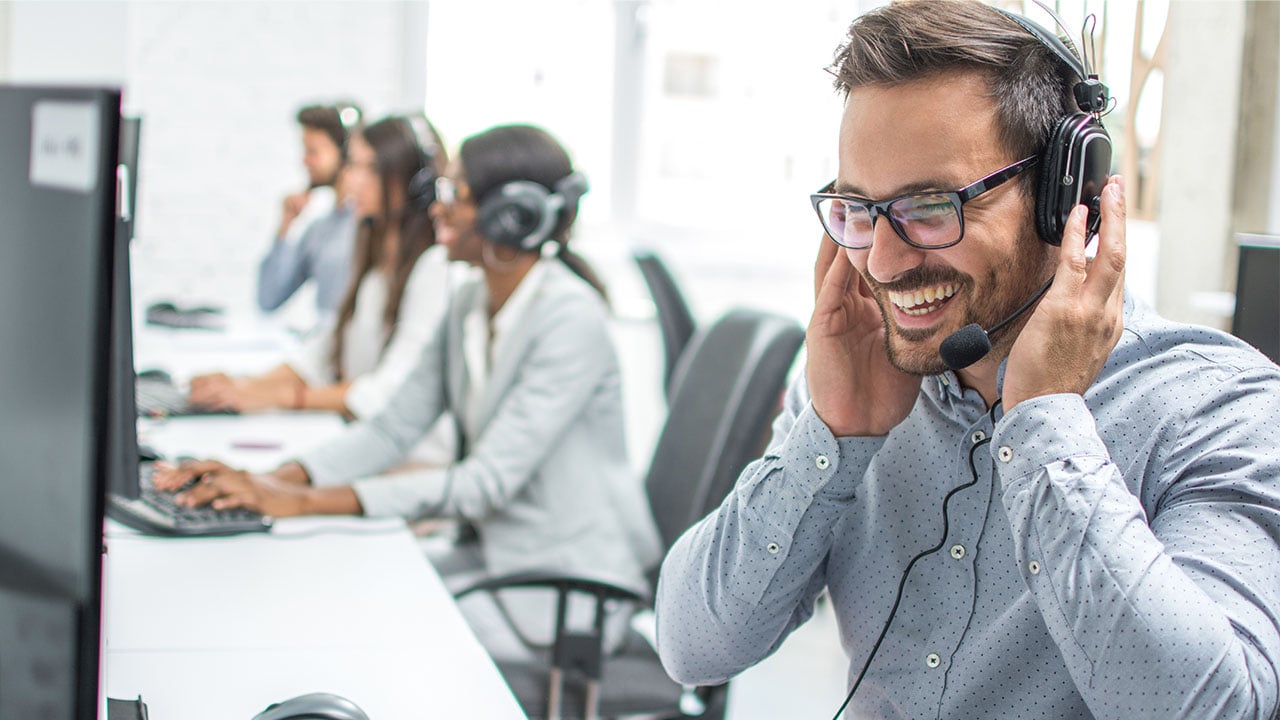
[(317, 227)]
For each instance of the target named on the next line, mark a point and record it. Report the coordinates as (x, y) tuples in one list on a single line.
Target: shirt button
[(1034, 567), (1005, 453), (978, 436), (944, 379), (822, 462), (957, 551), (932, 660), (773, 548)]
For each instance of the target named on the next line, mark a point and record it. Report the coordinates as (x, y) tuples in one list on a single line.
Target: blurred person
[(394, 299), (526, 365), (318, 225), (1079, 516)]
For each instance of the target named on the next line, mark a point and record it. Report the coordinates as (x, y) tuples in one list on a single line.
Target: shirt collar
[(513, 310)]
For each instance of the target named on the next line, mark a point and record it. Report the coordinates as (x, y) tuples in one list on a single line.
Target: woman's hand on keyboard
[(222, 392), (171, 477), (227, 488)]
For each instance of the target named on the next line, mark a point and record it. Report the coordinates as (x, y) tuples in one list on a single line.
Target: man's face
[(321, 155), (938, 134)]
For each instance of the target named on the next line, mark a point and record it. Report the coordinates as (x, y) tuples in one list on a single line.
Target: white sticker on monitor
[(64, 145)]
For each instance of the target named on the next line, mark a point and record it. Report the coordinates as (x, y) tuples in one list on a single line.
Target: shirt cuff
[(1042, 431), (413, 495), (839, 464), (362, 397)]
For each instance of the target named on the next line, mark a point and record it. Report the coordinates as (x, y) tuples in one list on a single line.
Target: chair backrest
[(674, 317), (725, 393)]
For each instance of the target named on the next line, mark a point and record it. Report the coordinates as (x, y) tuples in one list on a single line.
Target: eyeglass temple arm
[(972, 191)]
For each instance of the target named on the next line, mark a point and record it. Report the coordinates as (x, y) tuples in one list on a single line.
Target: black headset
[(522, 213), (1074, 164), (421, 191)]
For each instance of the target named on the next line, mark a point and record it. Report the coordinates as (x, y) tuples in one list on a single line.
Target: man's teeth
[(920, 301)]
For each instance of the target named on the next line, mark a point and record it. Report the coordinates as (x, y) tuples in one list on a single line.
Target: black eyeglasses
[(929, 220)]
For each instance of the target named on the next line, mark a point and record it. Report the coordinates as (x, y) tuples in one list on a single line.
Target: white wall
[(217, 85)]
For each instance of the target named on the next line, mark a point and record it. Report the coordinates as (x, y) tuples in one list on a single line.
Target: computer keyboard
[(156, 512)]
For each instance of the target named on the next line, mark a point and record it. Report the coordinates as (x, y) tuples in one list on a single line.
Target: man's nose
[(889, 255)]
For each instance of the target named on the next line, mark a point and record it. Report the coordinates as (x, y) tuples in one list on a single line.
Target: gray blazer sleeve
[(565, 356)]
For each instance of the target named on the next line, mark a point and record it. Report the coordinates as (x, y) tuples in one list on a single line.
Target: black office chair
[(675, 320), (725, 392)]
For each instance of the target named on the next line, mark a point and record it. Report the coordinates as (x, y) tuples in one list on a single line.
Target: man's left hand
[(1075, 327)]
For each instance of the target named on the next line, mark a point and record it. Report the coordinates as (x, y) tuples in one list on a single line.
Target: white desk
[(219, 628), (255, 441)]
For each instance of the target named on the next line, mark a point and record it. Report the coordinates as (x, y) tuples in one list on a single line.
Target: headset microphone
[(971, 343)]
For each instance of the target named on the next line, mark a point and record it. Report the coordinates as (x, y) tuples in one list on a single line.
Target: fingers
[(1106, 274), (827, 252), (218, 489), (1102, 279), (217, 391), (1071, 261), (168, 476), (834, 283)]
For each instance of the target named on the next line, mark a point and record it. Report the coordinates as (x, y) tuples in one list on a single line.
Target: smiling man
[(1081, 522)]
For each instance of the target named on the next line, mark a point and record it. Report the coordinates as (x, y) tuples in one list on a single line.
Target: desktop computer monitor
[(58, 153), (1257, 315)]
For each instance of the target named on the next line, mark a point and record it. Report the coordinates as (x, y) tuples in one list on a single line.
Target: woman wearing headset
[(525, 363), (396, 296)]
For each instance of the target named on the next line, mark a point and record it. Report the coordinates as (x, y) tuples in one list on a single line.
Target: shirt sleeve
[(280, 274), (1179, 598), (288, 264), (311, 359), (564, 366), (421, 310), (736, 584)]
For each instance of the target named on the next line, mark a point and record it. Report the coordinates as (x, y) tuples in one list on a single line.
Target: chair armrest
[(560, 582), (578, 651)]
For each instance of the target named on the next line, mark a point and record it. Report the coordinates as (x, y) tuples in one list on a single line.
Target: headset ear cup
[(1073, 170), (1048, 225), (422, 188), (519, 214)]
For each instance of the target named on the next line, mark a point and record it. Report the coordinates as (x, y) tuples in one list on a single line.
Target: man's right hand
[(292, 208), (855, 390)]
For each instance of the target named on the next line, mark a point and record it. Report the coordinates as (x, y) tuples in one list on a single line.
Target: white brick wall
[(217, 85)]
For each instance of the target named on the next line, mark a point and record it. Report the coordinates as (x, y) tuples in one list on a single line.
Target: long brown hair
[(401, 152)]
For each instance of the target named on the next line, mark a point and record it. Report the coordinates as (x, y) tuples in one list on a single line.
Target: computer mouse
[(155, 374), (313, 706)]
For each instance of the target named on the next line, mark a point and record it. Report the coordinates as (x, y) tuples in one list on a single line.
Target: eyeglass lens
[(446, 193)]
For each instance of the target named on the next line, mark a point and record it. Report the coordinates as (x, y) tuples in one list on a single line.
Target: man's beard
[(915, 350)]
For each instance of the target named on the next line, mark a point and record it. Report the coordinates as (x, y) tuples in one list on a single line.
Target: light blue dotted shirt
[(1118, 556)]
